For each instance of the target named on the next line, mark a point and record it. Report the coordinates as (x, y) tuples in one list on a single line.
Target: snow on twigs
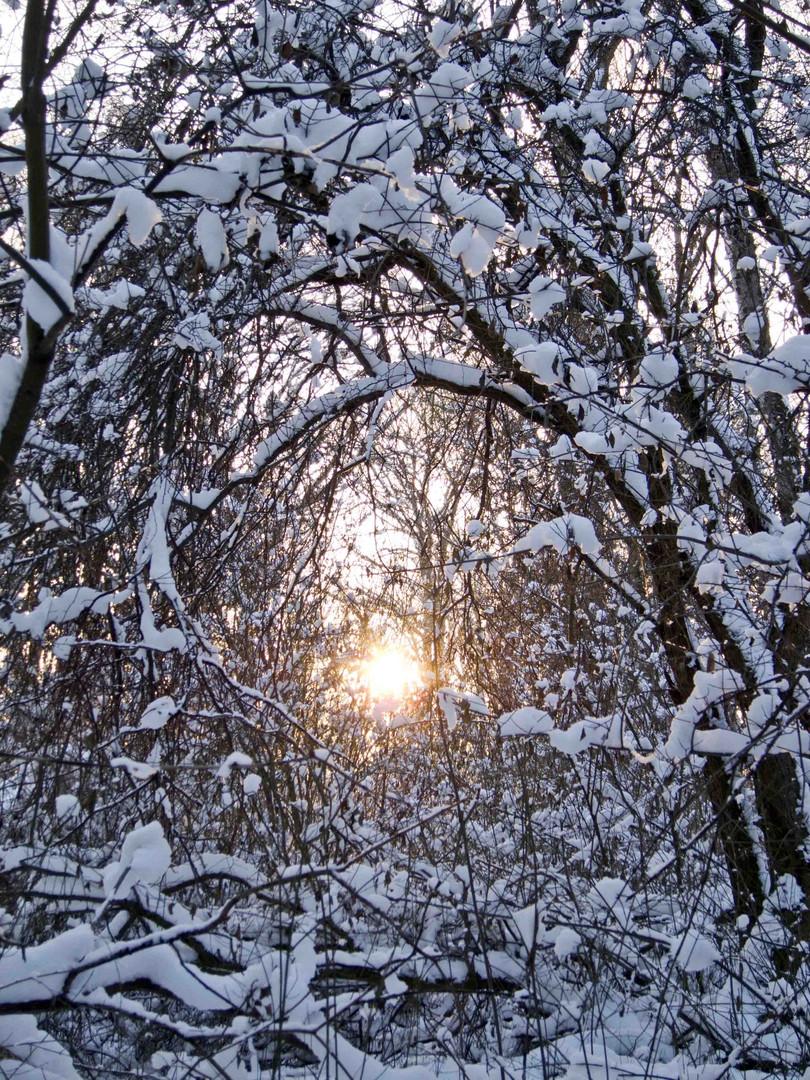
[(158, 713), (47, 297), (784, 371), (561, 533), (145, 856), (211, 237), (525, 721)]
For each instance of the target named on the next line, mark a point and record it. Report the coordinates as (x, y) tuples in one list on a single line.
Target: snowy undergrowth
[(440, 926)]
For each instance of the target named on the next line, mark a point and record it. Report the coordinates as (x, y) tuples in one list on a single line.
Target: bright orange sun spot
[(390, 675)]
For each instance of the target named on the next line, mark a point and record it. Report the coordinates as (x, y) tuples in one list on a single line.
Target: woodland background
[(479, 333)]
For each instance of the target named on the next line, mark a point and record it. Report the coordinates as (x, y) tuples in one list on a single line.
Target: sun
[(390, 675)]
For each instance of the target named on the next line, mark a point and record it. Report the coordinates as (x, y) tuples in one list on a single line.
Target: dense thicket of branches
[(481, 330)]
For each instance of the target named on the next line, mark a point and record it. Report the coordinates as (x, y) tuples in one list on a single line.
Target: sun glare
[(390, 675)]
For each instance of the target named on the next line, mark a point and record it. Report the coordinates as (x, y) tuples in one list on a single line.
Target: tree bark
[(38, 346)]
